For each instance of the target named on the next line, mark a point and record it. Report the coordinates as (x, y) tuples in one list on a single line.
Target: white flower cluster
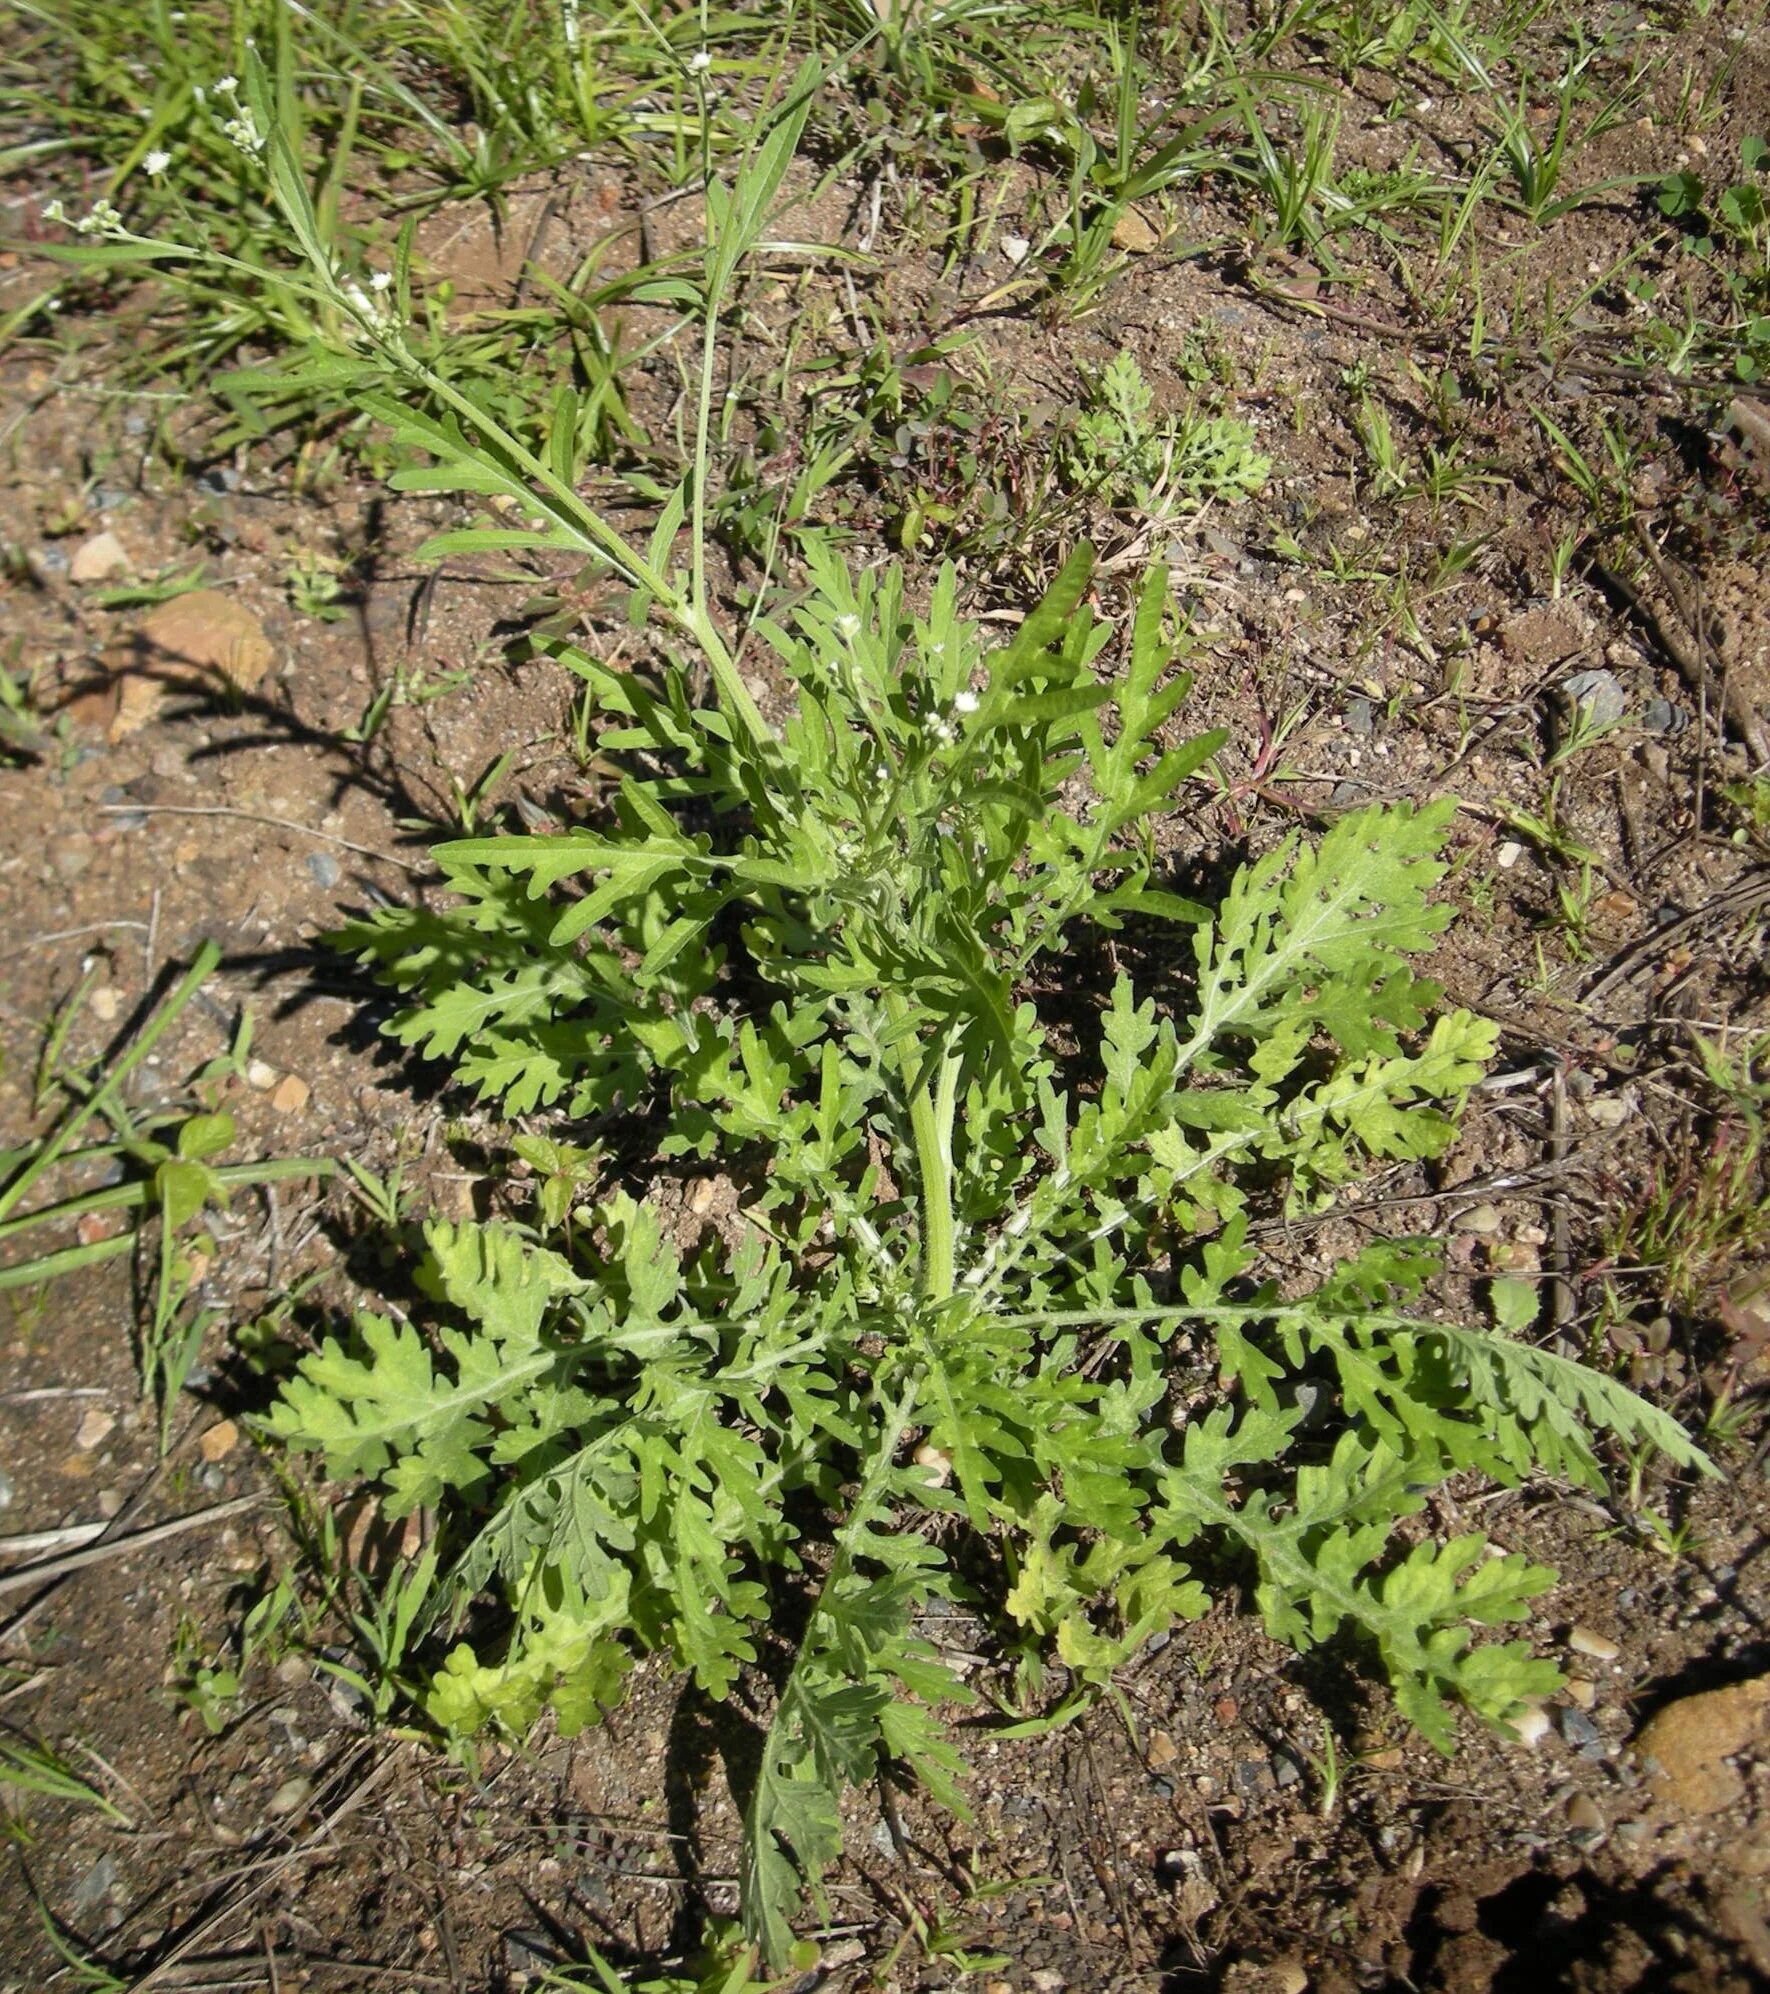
[(373, 307), (103, 218), (241, 129)]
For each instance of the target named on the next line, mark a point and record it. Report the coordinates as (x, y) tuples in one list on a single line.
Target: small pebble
[(1285, 1770), (1015, 248), (1585, 1640), (1361, 716), (1580, 1692), (1532, 1725), (1598, 697), (8, 1489), (72, 855), (289, 1798), (261, 1075), (219, 1441), (94, 1887), (1162, 1749), (291, 1095), (105, 1004), (1484, 1219), (94, 1428), (1579, 1730), (1583, 1815), (1508, 855), (1660, 716), (324, 869), (98, 558)]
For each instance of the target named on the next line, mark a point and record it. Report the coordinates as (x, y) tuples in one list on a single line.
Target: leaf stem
[(931, 1124)]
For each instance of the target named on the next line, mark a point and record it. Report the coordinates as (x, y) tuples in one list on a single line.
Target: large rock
[(1686, 1746)]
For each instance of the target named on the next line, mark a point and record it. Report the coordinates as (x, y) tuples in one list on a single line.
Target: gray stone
[(94, 1887), (1361, 716), (1597, 695), (324, 868), (1579, 1730), (72, 855), (1660, 716)]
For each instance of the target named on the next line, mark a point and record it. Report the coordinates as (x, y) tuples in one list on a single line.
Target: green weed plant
[(899, 958)]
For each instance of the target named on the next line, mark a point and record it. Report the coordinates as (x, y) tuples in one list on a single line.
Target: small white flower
[(965, 702), (55, 212), (700, 62), (242, 132), (942, 733), (847, 627), (103, 220), (227, 85), (156, 162), (381, 280)]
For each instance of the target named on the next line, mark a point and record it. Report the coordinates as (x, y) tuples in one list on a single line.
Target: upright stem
[(931, 1124)]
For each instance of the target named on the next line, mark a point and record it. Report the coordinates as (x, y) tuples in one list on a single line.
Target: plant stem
[(203, 966), (931, 1124)]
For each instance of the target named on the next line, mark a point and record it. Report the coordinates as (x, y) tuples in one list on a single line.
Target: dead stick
[(320, 1837), (253, 817), (1690, 661), (119, 1547)]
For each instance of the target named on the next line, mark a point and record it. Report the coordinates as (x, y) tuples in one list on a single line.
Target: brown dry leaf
[(1745, 1314), (195, 639), (1132, 231)]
